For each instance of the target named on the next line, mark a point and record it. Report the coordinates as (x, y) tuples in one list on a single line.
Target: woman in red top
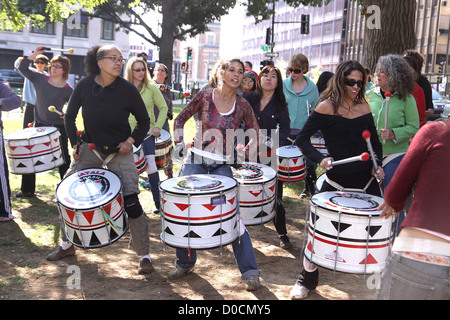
[(418, 94)]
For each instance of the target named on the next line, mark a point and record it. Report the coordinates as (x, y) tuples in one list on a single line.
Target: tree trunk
[(167, 39), (390, 31)]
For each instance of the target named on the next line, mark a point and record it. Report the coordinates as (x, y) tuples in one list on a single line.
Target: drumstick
[(362, 157), (388, 97), (366, 135), (30, 125), (53, 109), (59, 49), (79, 133)]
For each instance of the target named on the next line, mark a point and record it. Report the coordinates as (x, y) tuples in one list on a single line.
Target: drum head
[(164, 136), (352, 203), (251, 172), (88, 188), (30, 133), (198, 184), (289, 152)]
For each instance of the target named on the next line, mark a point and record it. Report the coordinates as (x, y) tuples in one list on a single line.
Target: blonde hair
[(129, 69)]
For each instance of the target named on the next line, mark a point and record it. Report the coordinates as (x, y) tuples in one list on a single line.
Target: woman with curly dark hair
[(342, 115)]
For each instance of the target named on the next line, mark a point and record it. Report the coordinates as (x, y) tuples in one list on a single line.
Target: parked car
[(14, 78)]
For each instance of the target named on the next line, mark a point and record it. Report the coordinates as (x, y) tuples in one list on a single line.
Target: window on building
[(49, 28), (78, 29), (107, 30)]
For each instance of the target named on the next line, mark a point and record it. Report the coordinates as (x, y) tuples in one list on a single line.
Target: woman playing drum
[(342, 115), (220, 110), (107, 101)]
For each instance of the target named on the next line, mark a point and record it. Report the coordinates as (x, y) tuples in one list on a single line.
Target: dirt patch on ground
[(111, 272)]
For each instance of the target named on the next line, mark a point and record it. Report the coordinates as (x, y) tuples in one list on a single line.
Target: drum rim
[(93, 207), (172, 192), (54, 129)]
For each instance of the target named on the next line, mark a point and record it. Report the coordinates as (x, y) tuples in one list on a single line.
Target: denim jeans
[(242, 246), (389, 171), (407, 279)]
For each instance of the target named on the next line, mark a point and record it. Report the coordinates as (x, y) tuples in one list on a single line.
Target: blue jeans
[(242, 246), (389, 171), (407, 279)]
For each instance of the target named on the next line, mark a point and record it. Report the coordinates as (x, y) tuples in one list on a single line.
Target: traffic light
[(189, 53), (304, 28), (441, 67), (183, 66), (269, 36)]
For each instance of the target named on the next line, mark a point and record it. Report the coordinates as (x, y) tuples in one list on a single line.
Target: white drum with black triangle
[(33, 150), (291, 164), (139, 159), (257, 187), (346, 232), (91, 208), (163, 146), (199, 211)]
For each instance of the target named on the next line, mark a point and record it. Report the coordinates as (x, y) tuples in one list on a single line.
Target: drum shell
[(195, 221), (291, 164), (353, 243), (84, 221), (318, 142), (139, 159), (33, 150), (257, 194), (163, 147)]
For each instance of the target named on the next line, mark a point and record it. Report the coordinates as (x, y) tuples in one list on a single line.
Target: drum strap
[(341, 188), (105, 161)]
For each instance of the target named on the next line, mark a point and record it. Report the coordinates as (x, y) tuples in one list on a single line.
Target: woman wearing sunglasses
[(301, 95), (342, 115), (136, 73)]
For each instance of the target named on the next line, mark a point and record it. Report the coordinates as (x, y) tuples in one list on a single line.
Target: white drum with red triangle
[(318, 142), (199, 211), (139, 159), (291, 164), (257, 187), (91, 207), (33, 150), (346, 232)]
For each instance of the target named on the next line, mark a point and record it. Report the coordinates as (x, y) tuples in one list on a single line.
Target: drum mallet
[(362, 157), (53, 109), (388, 97), (366, 135), (79, 133), (58, 49)]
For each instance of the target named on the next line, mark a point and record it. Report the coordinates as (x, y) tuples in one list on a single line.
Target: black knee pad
[(133, 206)]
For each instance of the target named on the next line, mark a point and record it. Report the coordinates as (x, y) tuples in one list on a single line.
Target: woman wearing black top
[(270, 108), (342, 115), (107, 101)]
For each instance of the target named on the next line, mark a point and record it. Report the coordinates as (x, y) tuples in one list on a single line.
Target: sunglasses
[(352, 82), (39, 62), (292, 70), (139, 70)]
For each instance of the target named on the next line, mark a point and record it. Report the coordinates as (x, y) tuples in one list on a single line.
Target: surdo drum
[(163, 146), (139, 159), (199, 211), (345, 232), (90, 204), (291, 164), (33, 150), (257, 191)]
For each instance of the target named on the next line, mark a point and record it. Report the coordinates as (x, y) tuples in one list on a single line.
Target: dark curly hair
[(93, 55)]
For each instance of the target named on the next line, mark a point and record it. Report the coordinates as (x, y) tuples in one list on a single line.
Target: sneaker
[(177, 273), (60, 253), (299, 292), (157, 208), (145, 185), (305, 193), (285, 243), (145, 266), (252, 283)]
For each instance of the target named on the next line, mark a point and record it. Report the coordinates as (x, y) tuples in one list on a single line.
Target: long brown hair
[(336, 88), (278, 90)]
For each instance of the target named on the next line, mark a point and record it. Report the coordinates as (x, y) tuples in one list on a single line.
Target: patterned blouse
[(215, 131)]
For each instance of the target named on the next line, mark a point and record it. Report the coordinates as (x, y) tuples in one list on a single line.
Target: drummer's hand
[(74, 154), (326, 163), (380, 174), (387, 134), (126, 146), (39, 50), (387, 210), (156, 131)]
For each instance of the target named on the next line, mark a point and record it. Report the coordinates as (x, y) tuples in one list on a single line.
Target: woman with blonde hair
[(136, 73)]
